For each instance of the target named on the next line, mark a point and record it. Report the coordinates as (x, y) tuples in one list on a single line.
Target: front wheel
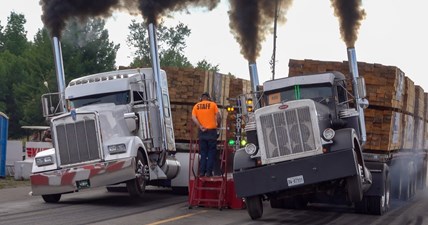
[(54, 198), (254, 207), (137, 186)]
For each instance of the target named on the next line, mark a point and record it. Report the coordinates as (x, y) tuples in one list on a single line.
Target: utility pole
[(273, 59)]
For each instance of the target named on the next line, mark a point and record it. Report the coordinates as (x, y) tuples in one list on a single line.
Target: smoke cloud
[(350, 15), (56, 12), (252, 20), (153, 10)]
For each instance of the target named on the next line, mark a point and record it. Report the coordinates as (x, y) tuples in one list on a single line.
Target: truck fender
[(344, 139), (379, 173), (137, 145), (241, 160)]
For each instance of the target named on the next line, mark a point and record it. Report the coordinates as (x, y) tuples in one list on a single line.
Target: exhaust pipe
[(359, 101), (254, 78), (59, 69), (157, 77)]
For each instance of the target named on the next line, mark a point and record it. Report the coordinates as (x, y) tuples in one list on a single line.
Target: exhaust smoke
[(56, 12), (251, 20), (350, 15), (153, 10)]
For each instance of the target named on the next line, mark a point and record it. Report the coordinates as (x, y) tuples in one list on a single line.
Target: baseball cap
[(205, 94)]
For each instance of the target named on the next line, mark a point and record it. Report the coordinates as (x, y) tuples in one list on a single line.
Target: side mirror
[(362, 93)]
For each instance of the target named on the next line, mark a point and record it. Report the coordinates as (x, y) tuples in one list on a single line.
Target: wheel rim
[(140, 174)]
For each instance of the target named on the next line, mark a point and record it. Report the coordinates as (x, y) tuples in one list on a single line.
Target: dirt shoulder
[(10, 182)]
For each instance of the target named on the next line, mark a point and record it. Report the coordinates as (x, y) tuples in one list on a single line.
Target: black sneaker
[(209, 174)]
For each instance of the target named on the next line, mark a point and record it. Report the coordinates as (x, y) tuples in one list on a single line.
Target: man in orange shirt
[(206, 116)]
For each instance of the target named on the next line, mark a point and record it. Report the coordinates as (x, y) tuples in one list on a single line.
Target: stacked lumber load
[(397, 114), (185, 88), (419, 115)]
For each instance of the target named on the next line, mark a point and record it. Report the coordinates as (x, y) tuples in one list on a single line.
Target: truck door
[(169, 129)]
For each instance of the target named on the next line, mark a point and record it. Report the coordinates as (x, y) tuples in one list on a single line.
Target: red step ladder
[(216, 191)]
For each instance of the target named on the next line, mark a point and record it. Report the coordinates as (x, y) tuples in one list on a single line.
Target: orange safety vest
[(206, 111)]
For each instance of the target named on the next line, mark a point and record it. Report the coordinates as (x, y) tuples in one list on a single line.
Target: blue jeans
[(208, 151)]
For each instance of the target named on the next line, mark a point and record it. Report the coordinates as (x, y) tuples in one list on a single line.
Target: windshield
[(316, 92), (118, 98)]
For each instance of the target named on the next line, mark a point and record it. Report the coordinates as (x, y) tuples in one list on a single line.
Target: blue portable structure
[(4, 122)]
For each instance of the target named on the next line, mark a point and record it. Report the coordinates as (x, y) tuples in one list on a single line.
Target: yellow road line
[(177, 218)]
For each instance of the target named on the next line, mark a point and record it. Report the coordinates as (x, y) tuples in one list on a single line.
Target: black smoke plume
[(153, 10), (56, 12), (350, 14), (252, 20)]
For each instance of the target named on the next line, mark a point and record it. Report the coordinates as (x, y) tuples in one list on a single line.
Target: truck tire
[(136, 187), (254, 206), (354, 184), (54, 198), (378, 205), (407, 182)]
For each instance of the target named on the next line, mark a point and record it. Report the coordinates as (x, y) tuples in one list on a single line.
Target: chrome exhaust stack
[(358, 87), (159, 131), (254, 78), (59, 69)]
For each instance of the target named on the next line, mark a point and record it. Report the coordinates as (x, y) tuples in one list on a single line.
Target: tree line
[(27, 67)]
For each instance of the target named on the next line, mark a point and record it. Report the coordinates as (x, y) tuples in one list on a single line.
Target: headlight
[(116, 149), (250, 149), (44, 160), (328, 134)]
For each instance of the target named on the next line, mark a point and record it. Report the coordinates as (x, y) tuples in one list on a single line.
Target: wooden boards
[(185, 88), (397, 115)]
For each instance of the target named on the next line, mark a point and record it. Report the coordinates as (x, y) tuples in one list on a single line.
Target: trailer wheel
[(136, 187), (407, 182), (254, 206), (378, 205), (54, 198)]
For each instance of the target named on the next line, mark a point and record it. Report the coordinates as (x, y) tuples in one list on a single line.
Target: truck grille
[(77, 141), (288, 132)]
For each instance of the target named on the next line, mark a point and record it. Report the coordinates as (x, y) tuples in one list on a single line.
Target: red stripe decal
[(67, 178), (39, 180), (115, 166)]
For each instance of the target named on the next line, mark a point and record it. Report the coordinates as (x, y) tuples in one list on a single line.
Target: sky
[(394, 33)]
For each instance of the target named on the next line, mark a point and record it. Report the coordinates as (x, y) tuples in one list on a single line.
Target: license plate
[(293, 181), (83, 184)]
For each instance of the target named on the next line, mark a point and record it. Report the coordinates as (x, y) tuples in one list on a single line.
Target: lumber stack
[(397, 115), (185, 88)]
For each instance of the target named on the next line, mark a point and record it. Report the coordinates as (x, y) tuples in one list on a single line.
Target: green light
[(243, 142), (231, 142)]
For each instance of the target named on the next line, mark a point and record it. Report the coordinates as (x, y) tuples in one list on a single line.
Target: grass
[(10, 182)]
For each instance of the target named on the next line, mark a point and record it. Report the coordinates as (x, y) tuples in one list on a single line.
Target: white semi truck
[(111, 134), (107, 128)]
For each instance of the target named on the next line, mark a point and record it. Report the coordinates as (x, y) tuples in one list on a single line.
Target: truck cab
[(304, 145), (112, 132)]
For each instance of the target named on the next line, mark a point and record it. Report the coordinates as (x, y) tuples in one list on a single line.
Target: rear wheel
[(54, 198), (136, 187), (378, 205), (407, 182), (254, 206)]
